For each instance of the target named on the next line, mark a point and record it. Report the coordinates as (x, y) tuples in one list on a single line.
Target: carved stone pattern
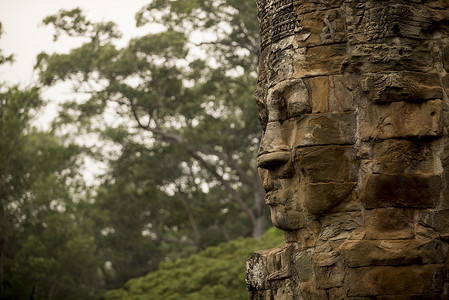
[(354, 107)]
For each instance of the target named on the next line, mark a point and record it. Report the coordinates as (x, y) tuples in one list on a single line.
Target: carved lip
[(268, 197)]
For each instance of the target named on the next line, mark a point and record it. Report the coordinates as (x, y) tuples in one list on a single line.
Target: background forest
[(180, 207)]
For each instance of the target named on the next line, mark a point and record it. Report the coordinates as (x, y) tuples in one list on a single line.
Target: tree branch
[(192, 220), (244, 206)]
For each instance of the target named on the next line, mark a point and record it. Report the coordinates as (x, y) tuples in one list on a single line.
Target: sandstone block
[(341, 97), (329, 270), (303, 264), (260, 294), (319, 60), (302, 7), (337, 293), (439, 4), (325, 129), (320, 198), (319, 87), (278, 136), (388, 57), (395, 280), (326, 163), (340, 226), (364, 253), (310, 130), (401, 190), (266, 266), (304, 237), (309, 291), (402, 86), (389, 223), (323, 27), (439, 221), (331, 93), (402, 119), (281, 66), (402, 156), (260, 96), (284, 290), (412, 297), (445, 56), (372, 20), (286, 219)]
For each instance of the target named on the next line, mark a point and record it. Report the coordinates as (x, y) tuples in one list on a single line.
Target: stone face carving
[(353, 102)]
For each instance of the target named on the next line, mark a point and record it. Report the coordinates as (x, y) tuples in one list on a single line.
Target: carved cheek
[(278, 136)]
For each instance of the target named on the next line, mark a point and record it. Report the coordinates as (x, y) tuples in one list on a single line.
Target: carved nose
[(273, 160)]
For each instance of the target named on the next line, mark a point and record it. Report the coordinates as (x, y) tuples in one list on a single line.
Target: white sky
[(25, 37)]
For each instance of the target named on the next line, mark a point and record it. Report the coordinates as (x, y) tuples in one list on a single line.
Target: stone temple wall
[(353, 102)]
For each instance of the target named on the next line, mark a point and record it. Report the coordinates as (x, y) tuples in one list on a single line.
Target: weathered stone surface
[(445, 55), (395, 280), (412, 297), (288, 99), (401, 190), (402, 86), (310, 130), (341, 97), (286, 219), (331, 93), (332, 163), (304, 7), (320, 198), (438, 221), (364, 253), (325, 129), (389, 223), (396, 56), (306, 237), (401, 156), (324, 27), (337, 293), (266, 266), (402, 120), (319, 60), (319, 87), (281, 67), (329, 270), (340, 226), (304, 266), (354, 157), (373, 20)]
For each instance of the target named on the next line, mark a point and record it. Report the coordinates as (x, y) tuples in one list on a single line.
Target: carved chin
[(286, 219)]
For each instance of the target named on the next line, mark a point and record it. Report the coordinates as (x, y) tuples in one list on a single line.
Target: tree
[(46, 249), (202, 107)]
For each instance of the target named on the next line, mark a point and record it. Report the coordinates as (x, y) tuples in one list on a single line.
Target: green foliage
[(74, 23), (215, 273), (185, 176), (5, 59), (45, 249)]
